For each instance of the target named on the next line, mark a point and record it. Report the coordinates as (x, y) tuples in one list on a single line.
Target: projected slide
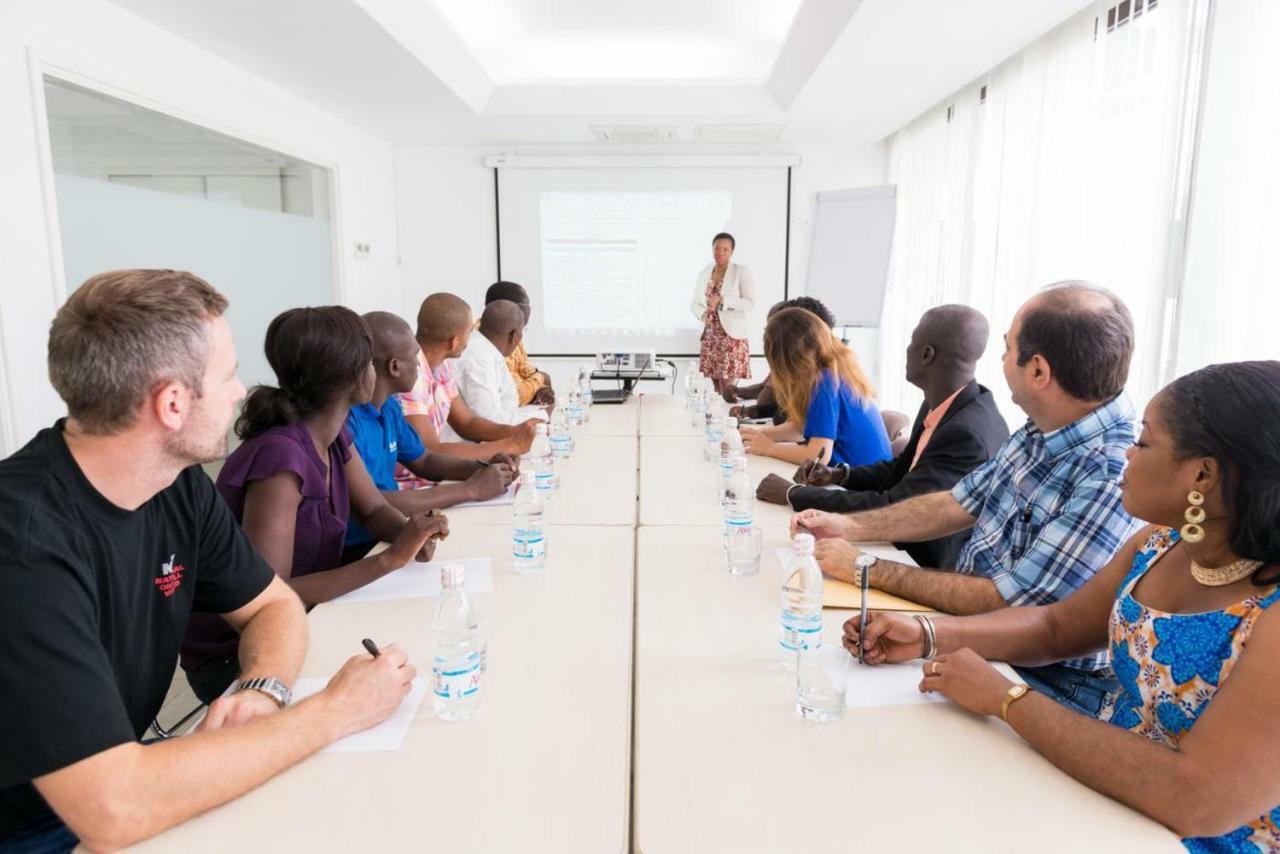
[(623, 262)]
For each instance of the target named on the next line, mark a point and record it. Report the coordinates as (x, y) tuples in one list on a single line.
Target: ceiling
[(547, 71)]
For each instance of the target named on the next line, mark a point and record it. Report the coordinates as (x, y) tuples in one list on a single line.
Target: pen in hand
[(371, 647), (862, 625)]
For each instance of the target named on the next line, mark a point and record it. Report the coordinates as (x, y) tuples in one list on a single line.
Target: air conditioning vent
[(740, 134), (634, 134)]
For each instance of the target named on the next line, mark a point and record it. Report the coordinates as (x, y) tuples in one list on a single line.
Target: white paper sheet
[(388, 735), (886, 685), (787, 555), (506, 499), (423, 579)]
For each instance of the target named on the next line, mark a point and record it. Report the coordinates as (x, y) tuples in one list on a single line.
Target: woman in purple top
[(296, 480)]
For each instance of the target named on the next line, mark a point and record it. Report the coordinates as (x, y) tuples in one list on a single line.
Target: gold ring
[(934, 671)]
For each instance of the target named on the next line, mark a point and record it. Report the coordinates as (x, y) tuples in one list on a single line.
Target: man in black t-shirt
[(110, 537)]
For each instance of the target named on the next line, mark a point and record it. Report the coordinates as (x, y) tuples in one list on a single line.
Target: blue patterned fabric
[(1048, 509), (1169, 667)]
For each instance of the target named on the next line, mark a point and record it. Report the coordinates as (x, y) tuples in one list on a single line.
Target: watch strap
[(1013, 695), (269, 685)]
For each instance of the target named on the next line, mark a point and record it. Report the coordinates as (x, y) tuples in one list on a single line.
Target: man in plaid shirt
[(1045, 512)]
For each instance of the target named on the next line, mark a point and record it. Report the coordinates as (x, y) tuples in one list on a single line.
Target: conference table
[(634, 701)]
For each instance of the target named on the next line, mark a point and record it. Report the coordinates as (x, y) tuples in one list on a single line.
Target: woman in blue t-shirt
[(814, 373)]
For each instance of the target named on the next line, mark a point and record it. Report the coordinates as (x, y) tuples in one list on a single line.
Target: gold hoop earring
[(1193, 532)]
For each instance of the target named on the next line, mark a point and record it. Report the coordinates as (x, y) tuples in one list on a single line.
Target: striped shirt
[(1048, 509)]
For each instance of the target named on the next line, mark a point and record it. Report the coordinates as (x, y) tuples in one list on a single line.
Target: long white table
[(724, 763), (543, 767)]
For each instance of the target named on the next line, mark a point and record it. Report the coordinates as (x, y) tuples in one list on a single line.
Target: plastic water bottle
[(584, 386), (739, 498), (713, 431), (730, 451), (561, 440), (541, 462), (528, 537), (459, 649), (573, 406), (800, 628), (698, 407)]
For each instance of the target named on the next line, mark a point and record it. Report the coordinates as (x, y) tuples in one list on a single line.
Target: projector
[(634, 361)]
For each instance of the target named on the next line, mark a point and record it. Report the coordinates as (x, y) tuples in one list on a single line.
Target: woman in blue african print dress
[(1192, 739)]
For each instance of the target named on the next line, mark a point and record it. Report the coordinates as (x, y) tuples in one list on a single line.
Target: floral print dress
[(1170, 666), (722, 357)]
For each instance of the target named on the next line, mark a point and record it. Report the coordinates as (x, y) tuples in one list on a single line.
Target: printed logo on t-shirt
[(392, 446), (170, 577)]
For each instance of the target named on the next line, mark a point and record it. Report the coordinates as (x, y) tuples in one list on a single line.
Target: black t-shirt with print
[(94, 602)]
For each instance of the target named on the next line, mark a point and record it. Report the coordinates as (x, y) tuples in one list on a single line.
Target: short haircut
[(815, 306), (389, 332), (442, 316), (501, 317), (1085, 333), (957, 332), (724, 235), (122, 333), (512, 291)]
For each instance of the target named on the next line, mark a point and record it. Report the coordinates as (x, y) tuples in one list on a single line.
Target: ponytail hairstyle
[(1231, 412), (799, 346), (318, 355)]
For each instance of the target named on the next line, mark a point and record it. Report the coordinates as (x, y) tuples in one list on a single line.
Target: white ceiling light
[(545, 41)]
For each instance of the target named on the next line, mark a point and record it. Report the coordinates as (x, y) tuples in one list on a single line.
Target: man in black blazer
[(957, 429)]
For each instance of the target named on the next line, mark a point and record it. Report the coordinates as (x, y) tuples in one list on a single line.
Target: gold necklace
[(1220, 576)]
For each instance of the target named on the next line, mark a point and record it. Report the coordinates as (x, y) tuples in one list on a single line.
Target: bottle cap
[(452, 575), (803, 544)]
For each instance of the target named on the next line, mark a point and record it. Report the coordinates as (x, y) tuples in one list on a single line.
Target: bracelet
[(788, 495), (845, 468), (930, 637)]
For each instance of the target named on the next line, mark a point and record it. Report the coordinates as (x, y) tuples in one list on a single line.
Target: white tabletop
[(542, 767), (724, 763), (679, 487), (612, 419), (666, 415), (597, 487)]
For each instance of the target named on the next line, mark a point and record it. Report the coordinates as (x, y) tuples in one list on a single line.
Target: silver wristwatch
[(269, 685), (863, 563)]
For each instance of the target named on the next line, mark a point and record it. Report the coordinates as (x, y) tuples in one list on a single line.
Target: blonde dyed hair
[(799, 346)]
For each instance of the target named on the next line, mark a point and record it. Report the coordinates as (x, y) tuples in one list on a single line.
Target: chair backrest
[(897, 425)]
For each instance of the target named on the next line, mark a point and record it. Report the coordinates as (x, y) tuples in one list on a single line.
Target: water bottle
[(730, 451), (573, 406), (698, 408), (584, 386), (800, 628), (459, 649), (540, 460), (528, 539), (739, 498), (713, 432), (561, 440)]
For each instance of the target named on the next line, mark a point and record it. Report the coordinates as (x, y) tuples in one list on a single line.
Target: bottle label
[(528, 544), (544, 481), (453, 679), (800, 631)]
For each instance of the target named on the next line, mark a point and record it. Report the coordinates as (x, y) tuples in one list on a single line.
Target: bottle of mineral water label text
[(458, 656), (573, 405), (739, 498), (540, 460), (800, 626), (561, 440), (528, 538)]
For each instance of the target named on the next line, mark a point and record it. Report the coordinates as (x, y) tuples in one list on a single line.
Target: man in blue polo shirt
[(384, 439)]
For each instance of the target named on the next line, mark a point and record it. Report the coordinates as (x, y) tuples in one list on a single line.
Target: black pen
[(483, 464), (372, 647), (862, 631)]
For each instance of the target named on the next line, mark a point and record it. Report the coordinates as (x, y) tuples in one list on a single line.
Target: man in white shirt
[(481, 372)]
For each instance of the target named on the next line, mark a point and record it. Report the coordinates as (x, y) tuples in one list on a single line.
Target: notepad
[(842, 595), (388, 735), (419, 580), (870, 686), (506, 499)]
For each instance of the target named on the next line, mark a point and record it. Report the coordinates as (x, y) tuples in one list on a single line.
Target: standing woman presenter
[(723, 296)]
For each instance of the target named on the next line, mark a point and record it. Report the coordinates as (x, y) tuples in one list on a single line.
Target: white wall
[(445, 214), (97, 44)]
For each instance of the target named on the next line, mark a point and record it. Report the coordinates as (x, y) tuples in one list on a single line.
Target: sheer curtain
[(1231, 298), (1065, 162)]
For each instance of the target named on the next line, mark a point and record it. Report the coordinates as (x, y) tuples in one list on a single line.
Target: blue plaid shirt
[(1048, 509)]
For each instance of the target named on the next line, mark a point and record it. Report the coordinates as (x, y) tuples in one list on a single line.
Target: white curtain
[(1072, 166), (1231, 296)]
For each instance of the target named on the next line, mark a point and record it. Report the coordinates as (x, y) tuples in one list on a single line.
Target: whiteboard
[(849, 258)]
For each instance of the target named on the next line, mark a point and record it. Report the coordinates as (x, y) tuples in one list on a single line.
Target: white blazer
[(737, 298)]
